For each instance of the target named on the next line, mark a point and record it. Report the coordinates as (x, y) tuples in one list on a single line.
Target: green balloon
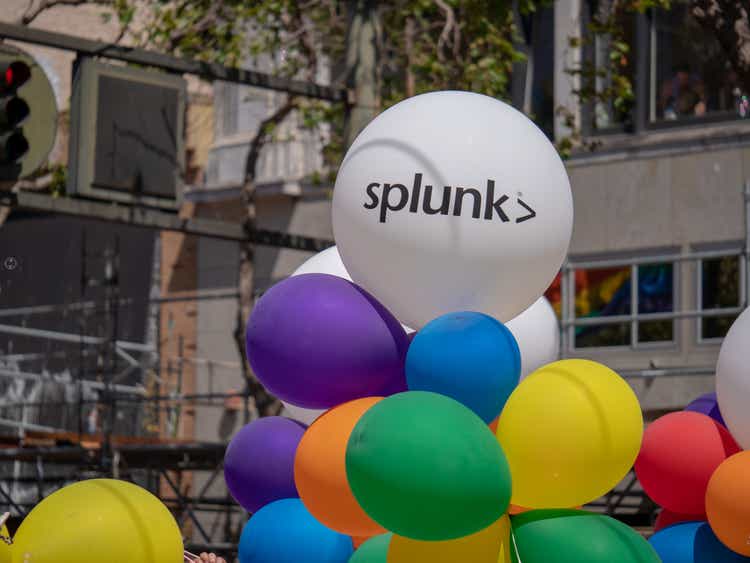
[(576, 536), (426, 467), (374, 550)]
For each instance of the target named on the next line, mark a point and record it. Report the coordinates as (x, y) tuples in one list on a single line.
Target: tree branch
[(307, 43), (295, 23), (208, 20), (450, 23), (33, 12), (265, 403), (729, 22)]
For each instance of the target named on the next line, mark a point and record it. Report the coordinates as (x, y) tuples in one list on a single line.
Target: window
[(690, 75), (720, 286), (608, 112), (652, 69), (543, 70), (609, 292)]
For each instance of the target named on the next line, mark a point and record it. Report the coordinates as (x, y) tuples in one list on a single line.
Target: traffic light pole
[(209, 71)]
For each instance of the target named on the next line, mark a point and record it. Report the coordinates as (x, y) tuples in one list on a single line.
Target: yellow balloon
[(4, 547), (570, 432), (99, 521), (491, 545)]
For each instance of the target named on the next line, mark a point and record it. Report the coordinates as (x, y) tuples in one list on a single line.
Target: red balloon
[(667, 518), (680, 452)]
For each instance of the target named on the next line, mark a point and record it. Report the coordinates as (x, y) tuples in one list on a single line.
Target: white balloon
[(538, 335), (329, 262), (305, 416), (326, 262), (733, 380), (452, 201)]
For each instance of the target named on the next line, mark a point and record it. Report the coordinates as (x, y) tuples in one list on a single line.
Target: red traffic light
[(16, 75)]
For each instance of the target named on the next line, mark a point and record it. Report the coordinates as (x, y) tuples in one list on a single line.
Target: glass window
[(542, 93), (719, 289), (655, 295), (613, 55), (692, 77), (602, 292), (608, 292)]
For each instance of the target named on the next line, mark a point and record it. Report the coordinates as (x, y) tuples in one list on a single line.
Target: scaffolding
[(114, 411)]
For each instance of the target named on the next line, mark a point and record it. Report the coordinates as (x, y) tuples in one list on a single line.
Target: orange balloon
[(513, 509), (320, 470), (493, 425), (728, 502)]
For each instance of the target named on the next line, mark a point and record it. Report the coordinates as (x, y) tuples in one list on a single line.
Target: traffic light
[(28, 114)]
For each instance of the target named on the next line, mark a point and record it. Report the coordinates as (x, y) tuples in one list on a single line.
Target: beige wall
[(676, 200)]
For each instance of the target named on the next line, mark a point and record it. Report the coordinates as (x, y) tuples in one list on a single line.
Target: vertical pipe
[(81, 332), (634, 306), (642, 86), (178, 407), (564, 316), (699, 297), (747, 243)]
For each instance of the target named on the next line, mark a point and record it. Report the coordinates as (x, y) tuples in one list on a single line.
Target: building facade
[(657, 268)]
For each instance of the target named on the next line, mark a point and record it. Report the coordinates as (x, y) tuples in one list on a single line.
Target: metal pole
[(210, 71), (642, 86), (634, 305), (82, 383), (746, 254), (81, 331), (564, 315)]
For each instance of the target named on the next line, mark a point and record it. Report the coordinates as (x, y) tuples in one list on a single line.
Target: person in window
[(683, 95)]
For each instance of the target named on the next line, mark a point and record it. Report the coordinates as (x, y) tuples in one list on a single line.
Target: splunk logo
[(395, 197)]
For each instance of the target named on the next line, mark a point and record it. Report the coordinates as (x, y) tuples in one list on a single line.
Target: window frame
[(742, 297), (634, 263), (645, 56)]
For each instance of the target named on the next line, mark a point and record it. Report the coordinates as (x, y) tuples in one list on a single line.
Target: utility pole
[(746, 195)]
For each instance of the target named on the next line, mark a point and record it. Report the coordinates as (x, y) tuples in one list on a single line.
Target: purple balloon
[(317, 341), (259, 461), (707, 404)]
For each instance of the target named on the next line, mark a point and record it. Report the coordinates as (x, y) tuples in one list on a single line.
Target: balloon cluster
[(692, 465), (432, 447)]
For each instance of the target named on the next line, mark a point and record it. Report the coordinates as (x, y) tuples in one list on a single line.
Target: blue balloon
[(467, 356), (692, 542), (285, 532)]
